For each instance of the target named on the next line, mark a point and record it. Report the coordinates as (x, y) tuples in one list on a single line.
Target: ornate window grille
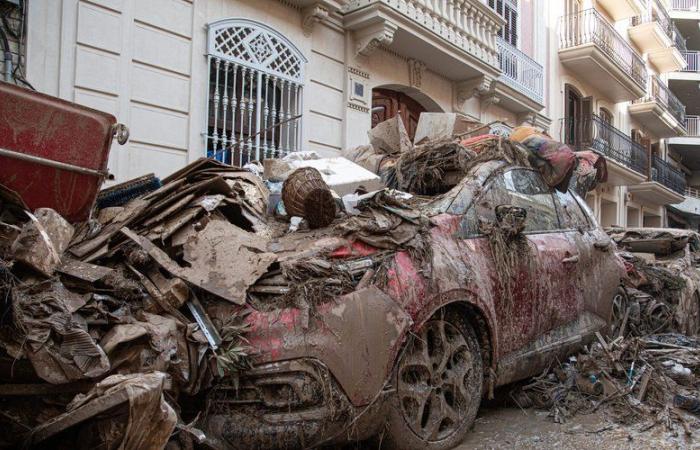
[(255, 92)]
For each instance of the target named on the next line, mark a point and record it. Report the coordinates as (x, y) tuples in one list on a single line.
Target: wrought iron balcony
[(591, 46), (664, 173), (692, 58), (656, 14), (593, 132), (660, 94), (692, 124), (520, 72), (685, 5), (678, 39)]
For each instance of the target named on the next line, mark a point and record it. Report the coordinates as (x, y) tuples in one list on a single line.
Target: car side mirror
[(511, 219)]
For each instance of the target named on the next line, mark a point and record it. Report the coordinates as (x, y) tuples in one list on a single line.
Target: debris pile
[(132, 316), (151, 298), (116, 309), (648, 371), (662, 282), (647, 381)]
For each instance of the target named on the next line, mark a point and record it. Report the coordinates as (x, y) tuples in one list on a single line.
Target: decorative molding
[(490, 98), (416, 69), (358, 72), (477, 86), (527, 117), (370, 38), (360, 108), (311, 16)]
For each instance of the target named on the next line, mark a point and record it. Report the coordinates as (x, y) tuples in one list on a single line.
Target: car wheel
[(439, 383), (619, 307)]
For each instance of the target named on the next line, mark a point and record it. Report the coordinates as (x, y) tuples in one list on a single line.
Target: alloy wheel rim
[(436, 381)]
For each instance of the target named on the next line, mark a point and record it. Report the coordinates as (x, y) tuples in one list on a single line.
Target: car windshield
[(458, 199)]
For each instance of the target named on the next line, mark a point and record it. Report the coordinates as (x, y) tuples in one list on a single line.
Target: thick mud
[(502, 427)]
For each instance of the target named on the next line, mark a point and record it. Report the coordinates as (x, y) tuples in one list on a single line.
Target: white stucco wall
[(144, 62)]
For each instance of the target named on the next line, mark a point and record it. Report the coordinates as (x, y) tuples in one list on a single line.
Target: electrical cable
[(7, 55)]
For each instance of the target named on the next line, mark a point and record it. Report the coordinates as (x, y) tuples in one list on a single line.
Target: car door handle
[(570, 260)]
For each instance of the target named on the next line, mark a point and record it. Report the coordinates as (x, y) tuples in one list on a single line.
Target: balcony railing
[(659, 15), (693, 61), (660, 93), (685, 5), (593, 132), (520, 71), (692, 125), (678, 39), (692, 192), (589, 27), (666, 174), (459, 23)]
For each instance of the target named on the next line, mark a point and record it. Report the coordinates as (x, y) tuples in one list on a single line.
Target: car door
[(556, 258), (598, 270), (541, 282)]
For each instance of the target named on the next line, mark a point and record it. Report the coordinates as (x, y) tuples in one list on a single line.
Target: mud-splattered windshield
[(523, 188)]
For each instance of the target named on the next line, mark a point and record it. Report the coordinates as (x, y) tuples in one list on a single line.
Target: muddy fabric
[(58, 344), (151, 419), (227, 259), (554, 160), (591, 170), (385, 221)]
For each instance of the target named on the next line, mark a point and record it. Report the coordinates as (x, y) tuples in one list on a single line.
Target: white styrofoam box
[(342, 175)]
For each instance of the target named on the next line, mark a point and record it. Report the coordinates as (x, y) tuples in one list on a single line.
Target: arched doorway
[(388, 101)]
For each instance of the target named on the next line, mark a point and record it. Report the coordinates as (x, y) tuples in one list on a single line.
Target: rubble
[(643, 381), (647, 372), (662, 280), (140, 314), (390, 137)]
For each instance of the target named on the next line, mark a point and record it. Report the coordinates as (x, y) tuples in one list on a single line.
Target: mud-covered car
[(662, 278), (510, 275)]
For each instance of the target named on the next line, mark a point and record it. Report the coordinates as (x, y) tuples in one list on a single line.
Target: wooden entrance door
[(387, 103)]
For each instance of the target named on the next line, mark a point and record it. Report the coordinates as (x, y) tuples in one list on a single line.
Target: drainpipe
[(7, 55)]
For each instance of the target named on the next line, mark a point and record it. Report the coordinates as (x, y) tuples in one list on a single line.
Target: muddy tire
[(439, 383), (619, 306)]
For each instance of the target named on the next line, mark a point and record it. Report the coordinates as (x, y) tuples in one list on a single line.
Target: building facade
[(248, 79), (686, 85)]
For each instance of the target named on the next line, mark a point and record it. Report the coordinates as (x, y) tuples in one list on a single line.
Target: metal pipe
[(51, 163)]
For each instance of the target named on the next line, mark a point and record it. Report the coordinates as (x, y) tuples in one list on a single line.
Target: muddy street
[(508, 427)]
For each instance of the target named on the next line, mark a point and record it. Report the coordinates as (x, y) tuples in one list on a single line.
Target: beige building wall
[(144, 62), (611, 204)]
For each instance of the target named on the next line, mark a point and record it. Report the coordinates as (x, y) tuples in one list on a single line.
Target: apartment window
[(508, 9), (606, 116), (255, 92)]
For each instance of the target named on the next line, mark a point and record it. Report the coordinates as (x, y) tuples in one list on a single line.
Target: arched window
[(255, 92)]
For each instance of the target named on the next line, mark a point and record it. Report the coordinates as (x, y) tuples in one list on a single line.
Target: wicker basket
[(306, 195)]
